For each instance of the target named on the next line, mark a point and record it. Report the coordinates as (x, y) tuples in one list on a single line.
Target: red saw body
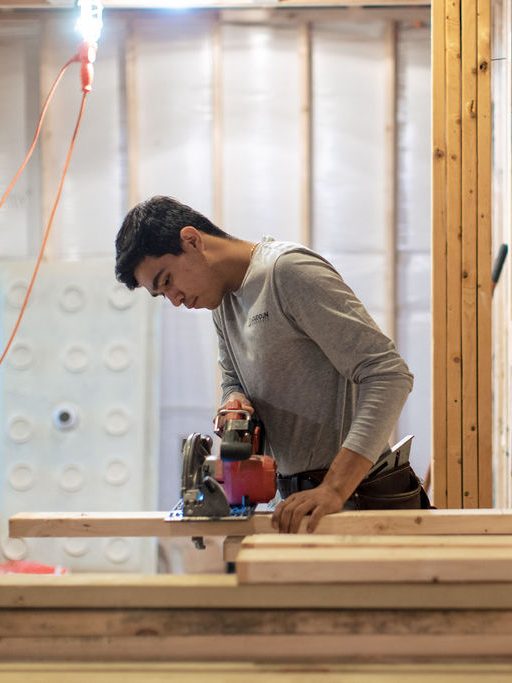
[(232, 485), (253, 479)]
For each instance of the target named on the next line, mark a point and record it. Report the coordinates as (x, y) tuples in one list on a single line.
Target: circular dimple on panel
[(20, 429), (21, 356), (118, 550), (117, 357), (72, 478), (16, 293), (75, 358), (117, 473), (14, 548), (65, 417), (120, 297), (76, 547), (72, 299), (117, 422), (21, 477)]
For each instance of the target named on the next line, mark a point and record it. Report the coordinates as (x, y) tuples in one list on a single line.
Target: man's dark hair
[(152, 228)]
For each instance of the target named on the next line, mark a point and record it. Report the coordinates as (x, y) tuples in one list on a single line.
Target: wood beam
[(462, 416), (108, 524), (216, 591)]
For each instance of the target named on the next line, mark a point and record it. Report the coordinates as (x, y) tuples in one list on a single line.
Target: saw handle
[(233, 414)]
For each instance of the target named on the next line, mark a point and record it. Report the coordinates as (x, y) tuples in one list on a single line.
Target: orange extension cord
[(58, 195)]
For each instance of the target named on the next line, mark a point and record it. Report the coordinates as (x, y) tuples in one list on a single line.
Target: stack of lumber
[(313, 559)]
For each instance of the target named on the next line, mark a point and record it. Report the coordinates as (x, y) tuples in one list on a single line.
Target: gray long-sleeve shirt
[(299, 344)]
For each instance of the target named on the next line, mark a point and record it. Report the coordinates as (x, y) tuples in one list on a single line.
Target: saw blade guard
[(202, 495), (195, 450)]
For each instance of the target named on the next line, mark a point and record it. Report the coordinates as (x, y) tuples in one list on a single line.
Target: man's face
[(186, 279)]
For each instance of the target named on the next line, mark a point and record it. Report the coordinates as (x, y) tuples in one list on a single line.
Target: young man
[(295, 345)]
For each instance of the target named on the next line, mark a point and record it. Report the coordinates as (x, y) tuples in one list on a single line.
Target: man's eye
[(166, 281)]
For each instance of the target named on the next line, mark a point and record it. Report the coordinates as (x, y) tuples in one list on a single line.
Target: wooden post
[(461, 253), (484, 292), (305, 94), (132, 124), (391, 150), (439, 270)]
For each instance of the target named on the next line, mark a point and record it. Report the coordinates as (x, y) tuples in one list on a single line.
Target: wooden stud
[(306, 113), (469, 169), (217, 131), (132, 108), (391, 189), (439, 266), (453, 228), (217, 152), (461, 248), (484, 294)]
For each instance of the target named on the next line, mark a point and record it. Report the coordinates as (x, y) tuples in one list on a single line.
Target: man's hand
[(238, 400), (317, 502), (346, 472), (235, 401)]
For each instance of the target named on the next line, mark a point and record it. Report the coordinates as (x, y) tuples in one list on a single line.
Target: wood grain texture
[(256, 635), (230, 672), (469, 173), (484, 292), (133, 524), (118, 591), (439, 267), (362, 564), (345, 541), (462, 373), (454, 255)]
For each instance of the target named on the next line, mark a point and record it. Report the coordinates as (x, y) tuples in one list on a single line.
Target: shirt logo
[(258, 318)]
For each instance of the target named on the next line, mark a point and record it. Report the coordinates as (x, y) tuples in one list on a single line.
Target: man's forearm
[(346, 472)]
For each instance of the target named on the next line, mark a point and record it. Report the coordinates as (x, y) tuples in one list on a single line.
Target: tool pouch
[(398, 489)]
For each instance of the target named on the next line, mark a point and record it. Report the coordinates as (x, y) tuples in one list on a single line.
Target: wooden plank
[(306, 132), (222, 591), (97, 524), (217, 131), (364, 564), (261, 648), (469, 342), (453, 262), (391, 181), (484, 293), (157, 624), (439, 268), (58, 524), (230, 672), (347, 541)]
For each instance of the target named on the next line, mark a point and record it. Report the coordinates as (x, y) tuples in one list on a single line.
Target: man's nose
[(175, 297)]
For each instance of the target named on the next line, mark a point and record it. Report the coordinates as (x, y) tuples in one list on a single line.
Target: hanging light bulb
[(89, 24)]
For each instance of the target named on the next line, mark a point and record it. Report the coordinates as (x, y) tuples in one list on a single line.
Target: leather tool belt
[(396, 489)]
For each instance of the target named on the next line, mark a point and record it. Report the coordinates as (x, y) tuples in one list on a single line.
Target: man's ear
[(191, 238)]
